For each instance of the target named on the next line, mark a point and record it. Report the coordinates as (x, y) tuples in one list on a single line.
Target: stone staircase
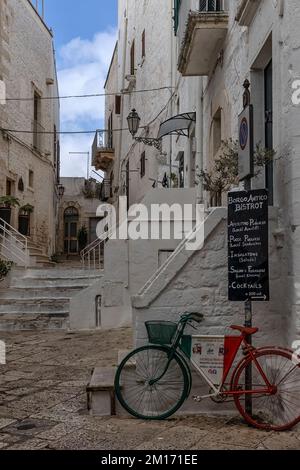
[(39, 298), (37, 255)]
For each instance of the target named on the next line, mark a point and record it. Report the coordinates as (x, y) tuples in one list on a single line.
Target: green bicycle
[(154, 381)]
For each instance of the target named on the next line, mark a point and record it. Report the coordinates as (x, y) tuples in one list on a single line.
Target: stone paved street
[(43, 402)]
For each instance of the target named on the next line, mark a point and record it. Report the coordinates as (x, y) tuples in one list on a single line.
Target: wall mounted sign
[(248, 246), (246, 149)]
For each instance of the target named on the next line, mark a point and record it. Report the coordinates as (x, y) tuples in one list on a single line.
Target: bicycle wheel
[(151, 401), (279, 410)]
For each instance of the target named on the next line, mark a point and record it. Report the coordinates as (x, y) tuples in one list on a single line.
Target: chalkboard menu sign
[(248, 246)]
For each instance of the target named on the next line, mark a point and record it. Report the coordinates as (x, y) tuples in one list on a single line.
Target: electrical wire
[(94, 95), (60, 132), (15, 131)]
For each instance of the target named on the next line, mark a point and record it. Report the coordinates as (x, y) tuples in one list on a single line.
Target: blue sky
[(71, 18), (85, 35)]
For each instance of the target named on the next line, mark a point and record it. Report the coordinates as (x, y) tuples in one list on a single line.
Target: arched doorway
[(71, 218)]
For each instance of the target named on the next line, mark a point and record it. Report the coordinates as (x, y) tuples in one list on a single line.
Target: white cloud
[(83, 66)]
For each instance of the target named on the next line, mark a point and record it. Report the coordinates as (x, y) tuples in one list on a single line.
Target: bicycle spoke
[(150, 386), (280, 408)]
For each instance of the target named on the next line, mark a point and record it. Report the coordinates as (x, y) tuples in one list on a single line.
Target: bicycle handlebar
[(194, 316)]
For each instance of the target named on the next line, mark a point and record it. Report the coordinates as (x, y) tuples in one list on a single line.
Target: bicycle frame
[(217, 390)]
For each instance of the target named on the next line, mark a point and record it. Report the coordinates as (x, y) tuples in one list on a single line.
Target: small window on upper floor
[(217, 132), (118, 104), (144, 44), (132, 58), (31, 179), (211, 5), (143, 164)]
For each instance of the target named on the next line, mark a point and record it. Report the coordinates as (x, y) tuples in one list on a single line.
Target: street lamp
[(88, 160), (134, 120), (61, 191)]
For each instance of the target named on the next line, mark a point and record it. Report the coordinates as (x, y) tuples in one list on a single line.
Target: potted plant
[(225, 170), (6, 203), (82, 238), (28, 208)]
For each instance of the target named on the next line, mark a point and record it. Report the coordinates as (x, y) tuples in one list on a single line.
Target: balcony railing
[(202, 27), (212, 5), (38, 134), (103, 153)]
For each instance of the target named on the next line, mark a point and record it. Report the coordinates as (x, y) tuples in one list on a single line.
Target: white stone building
[(29, 160), (216, 47)]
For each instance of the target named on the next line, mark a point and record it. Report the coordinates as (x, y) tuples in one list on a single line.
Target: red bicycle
[(154, 381)]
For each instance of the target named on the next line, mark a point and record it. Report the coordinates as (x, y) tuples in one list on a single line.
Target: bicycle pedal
[(197, 399)]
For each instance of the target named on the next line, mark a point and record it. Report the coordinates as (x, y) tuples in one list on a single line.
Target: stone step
[(35, 251), (33, 322), (100, 392), (58, 273), (33, 282), (41, 293), (21, 306)]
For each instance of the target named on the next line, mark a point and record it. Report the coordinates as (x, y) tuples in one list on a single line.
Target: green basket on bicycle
[(161, 332)]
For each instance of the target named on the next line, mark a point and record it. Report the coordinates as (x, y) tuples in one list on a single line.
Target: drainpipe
[(199, 140)]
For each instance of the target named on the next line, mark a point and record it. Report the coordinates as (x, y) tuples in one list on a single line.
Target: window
[(217, 132), (112, 178), (132, 59), (143, 164), (181, 170), (110, 131), (144, 44), (31, 179), (211, 5), (8, 188), (37, 128), (177, 4), (118, 104)]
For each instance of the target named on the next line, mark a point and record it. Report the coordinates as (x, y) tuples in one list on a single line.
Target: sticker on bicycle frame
[(208, 355)]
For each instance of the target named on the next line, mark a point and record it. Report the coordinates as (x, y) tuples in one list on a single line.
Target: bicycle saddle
[(244, 330)]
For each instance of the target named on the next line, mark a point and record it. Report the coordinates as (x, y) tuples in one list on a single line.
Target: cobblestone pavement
[(43, 402)]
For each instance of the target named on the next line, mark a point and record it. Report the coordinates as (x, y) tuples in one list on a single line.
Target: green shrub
[(5, 267)]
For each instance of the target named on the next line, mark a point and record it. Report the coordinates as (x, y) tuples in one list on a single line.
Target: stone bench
[(100, 391)]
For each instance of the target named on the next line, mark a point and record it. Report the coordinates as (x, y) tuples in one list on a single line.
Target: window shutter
[(118, 104), (144, 44)]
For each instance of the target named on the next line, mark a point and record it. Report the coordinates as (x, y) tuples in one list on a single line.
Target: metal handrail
[(91, 256), (20, 249)]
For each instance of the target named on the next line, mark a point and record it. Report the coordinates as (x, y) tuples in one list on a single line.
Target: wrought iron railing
[(211, 6), (103, 141)]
